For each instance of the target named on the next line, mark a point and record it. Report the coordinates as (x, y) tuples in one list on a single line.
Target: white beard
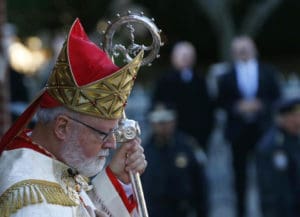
[(73, 156)]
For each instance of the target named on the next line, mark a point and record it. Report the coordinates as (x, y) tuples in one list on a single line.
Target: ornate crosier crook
[(129, 129), (133, 48)]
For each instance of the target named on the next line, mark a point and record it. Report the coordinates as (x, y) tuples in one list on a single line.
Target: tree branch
[(257, 15), (221, 19)]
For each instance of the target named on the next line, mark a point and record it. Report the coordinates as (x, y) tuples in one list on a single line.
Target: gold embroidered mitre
[(85, 80)]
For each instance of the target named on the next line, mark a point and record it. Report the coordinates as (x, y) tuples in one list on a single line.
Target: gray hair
[(46, 115)]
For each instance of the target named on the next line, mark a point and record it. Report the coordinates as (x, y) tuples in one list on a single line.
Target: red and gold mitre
[(84, 79)]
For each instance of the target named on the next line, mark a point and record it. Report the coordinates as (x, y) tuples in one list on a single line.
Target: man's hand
[(128, 157), (249, 106)]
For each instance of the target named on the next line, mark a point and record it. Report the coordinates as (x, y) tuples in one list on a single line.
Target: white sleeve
[(127, 188)]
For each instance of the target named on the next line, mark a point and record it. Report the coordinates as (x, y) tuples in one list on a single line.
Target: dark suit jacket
[(191, 101), (229, 94)]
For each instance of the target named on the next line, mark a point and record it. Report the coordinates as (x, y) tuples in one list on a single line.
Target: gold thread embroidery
[(25, 198), (32, 197), (16, 197)]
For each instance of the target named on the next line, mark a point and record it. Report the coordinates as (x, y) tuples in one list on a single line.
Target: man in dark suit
[(186, 90), (246, 92)]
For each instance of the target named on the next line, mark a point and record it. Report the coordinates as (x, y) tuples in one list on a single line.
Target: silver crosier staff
[(129, 129)]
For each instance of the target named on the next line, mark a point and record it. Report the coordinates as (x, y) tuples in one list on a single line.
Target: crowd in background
[(251, 102)]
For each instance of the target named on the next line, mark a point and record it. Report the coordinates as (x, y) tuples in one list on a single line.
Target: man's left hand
[(128, 157)]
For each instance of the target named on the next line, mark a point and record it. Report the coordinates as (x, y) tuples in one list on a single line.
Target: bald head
[(183, 55), (243, 48)]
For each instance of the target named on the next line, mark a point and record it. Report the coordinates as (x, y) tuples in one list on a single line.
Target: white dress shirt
[(186, 75), (247, 77)]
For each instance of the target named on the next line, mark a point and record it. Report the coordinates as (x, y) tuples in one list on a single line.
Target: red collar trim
[(24, 141), (129, 203)]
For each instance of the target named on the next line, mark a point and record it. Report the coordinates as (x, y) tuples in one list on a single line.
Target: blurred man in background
[(186, 90), (246, 92), (278, 163)]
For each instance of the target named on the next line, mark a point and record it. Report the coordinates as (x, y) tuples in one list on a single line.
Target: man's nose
[(111, 142)]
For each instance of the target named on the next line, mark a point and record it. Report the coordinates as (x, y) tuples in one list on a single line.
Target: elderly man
[(56, 169)]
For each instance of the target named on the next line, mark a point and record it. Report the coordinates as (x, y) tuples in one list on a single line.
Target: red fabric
[(24, 141), (130, 203), (48, 101), (87, 61), (20, 123)]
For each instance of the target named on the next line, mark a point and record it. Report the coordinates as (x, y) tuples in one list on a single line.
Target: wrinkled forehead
[(98, 120)]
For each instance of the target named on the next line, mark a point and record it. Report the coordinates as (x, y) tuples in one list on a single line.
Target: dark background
[(278, 40)]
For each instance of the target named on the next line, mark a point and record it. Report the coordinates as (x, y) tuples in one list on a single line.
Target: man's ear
[(61, 127)]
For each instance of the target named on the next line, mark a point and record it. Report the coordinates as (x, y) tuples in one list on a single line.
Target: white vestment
[(35, 185)]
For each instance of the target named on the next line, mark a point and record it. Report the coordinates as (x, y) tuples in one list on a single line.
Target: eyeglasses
[(104, 135)]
